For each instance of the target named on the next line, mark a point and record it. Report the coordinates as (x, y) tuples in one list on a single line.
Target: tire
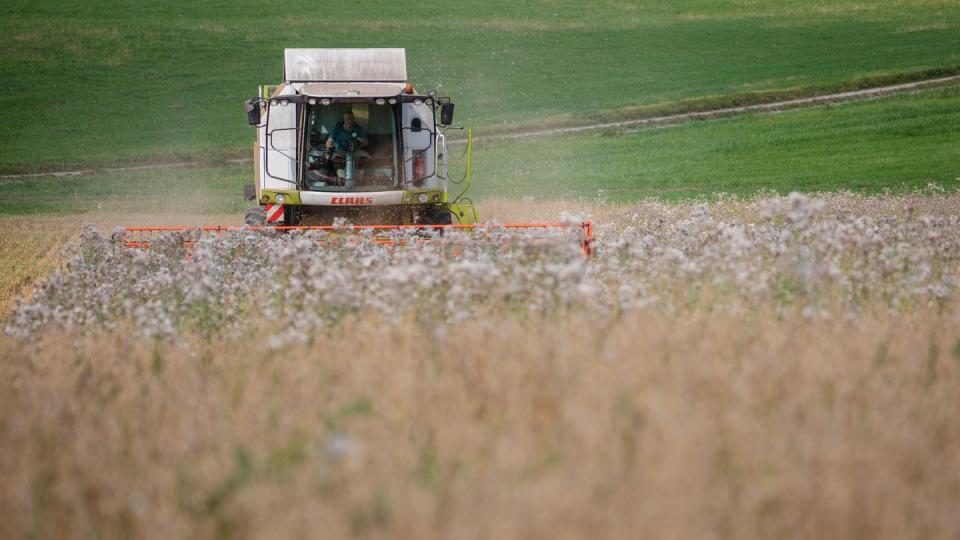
[(292, 216), (435, 216), (443, 217), (255, 217), (425, 218)]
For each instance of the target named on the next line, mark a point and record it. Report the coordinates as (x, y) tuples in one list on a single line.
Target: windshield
[(351, 147)]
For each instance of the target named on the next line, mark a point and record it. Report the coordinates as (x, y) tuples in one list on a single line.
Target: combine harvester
[(347, 139)]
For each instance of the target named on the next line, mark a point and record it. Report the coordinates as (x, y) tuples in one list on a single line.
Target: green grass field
[(106, 82), (899, 143), (178, 190)]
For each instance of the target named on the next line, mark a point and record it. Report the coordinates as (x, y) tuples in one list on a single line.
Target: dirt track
[(841, 97)]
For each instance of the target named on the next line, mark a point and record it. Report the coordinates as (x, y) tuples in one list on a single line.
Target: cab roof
[(348, 90), (345, 65)]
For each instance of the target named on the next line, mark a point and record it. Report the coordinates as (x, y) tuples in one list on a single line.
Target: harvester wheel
[(443, 217), (435, 216), (255, 217)]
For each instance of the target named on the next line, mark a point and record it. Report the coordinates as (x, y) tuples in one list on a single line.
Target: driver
[(347, 132)]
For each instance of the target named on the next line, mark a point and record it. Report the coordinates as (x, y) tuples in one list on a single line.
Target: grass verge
[(896, 143)]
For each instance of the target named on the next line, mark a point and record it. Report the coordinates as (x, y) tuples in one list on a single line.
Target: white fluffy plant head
[(821, 255)]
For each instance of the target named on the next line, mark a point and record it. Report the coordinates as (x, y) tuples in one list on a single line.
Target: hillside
[(104, 82)]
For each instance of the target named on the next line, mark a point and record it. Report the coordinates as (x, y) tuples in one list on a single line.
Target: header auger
[(450, 237)]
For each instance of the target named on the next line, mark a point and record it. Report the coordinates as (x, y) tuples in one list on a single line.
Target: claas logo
[(351, 200)]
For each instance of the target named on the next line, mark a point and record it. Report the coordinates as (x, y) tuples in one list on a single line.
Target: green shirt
[(343, 137)]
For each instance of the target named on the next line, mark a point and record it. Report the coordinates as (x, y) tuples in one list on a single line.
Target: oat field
[(771, 367)]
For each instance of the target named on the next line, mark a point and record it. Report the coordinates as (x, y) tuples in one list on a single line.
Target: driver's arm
[(332, 137)]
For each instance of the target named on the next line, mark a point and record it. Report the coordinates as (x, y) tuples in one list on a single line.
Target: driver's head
[(348, 119)]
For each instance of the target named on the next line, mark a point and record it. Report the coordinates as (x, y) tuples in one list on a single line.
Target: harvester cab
[(346, 136)]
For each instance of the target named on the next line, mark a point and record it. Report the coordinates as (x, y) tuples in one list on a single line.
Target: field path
[(640, 123), (629, 125)]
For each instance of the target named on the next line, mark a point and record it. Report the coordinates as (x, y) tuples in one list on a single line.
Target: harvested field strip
[(30, 246), (28, 251)]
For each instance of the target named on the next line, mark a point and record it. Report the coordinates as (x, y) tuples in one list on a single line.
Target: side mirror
[(446, 114), (253, 111)]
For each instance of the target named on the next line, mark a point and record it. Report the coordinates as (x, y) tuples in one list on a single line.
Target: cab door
[(280, 140), (419, 148)]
